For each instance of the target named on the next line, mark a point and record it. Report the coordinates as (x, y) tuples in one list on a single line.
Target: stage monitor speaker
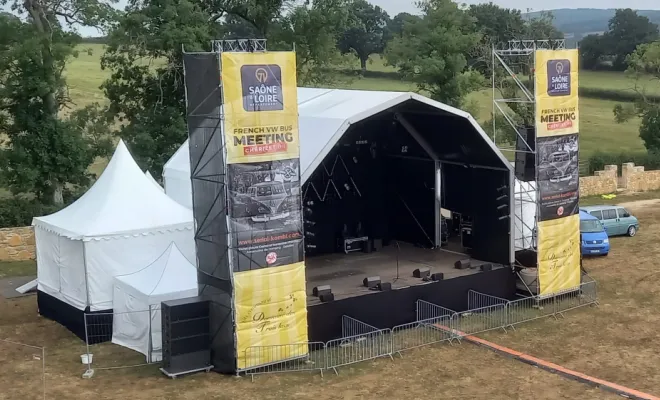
[(322, 289), (462, 264), (486, 267), (186, 342), (378, 244), (371, 282), (367, 247), (525, 161), (384, 286), (326, 297), (422, 272), (438, 276)]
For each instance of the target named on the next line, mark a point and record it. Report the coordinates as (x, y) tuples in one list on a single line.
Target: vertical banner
[(557, 147), (264, 215)]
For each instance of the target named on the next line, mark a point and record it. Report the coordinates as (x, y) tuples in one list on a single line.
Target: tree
[(592, 49), (432, 52), (642, 63), (144, 56), (627, 30), (396, 24), (46, 151), (366, 33), (542, 27)]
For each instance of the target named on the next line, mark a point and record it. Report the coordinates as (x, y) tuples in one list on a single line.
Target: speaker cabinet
[(384, 286), (326, 297), (438, 276), (422, 272), (321, 290), (371, 281), (486, 267), (525, 161), (462, 264), (186, 339)]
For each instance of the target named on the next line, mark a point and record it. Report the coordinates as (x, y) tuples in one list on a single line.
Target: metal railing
[(25, 367), (101, 329), (434, 324)]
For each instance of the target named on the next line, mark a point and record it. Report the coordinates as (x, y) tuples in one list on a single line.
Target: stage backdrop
[(557, 128), (265, 216)]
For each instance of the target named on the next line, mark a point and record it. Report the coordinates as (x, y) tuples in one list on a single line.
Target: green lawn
[(598, 130), (9, 269)]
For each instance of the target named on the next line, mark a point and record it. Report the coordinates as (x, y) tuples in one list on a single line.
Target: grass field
[(617, 341)]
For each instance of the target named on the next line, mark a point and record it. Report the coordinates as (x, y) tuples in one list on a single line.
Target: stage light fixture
[(310, 246), (310, 223), (309, 211), (310, 203), (502, 197), (502, 207), (310, 234)]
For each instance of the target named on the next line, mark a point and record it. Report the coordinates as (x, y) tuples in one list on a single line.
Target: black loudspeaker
[(384, 286), (185, 335), (378, 244), (371, 282), (462, 264), (320, 290), (438, 276), (326, 297), (525, 162), (367, 247), (422, 272), (486, 267)]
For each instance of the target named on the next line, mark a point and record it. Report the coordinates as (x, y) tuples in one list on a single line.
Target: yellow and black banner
[(265, 209), (557, 147)]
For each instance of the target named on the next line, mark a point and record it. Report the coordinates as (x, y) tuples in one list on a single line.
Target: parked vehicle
[(593, 236), (615, 219)]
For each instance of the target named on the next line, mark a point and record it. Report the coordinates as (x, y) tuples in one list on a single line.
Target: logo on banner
[(262, 87), (559, 78), (271, 258)]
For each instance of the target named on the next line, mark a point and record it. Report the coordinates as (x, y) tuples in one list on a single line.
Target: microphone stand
[(398, 248)]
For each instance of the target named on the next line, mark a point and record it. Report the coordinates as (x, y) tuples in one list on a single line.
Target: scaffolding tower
[(511, 61)]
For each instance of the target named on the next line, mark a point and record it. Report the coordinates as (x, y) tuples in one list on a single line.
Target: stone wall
[(603, 182), (17, 244), (635, 179)]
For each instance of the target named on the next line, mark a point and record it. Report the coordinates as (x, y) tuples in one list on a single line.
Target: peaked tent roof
[(122, 202), (326, 114), (170, 273), (154, 181)]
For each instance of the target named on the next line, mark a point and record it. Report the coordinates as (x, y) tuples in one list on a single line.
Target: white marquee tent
[(122, 223), (137, 297), (154, 181)]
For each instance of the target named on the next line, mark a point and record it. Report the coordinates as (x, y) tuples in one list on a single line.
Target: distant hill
[(577, 23)]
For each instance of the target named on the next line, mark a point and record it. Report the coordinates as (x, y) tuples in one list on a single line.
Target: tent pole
[(84, 246)]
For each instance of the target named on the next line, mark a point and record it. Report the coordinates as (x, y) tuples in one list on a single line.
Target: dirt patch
[(640, 203)]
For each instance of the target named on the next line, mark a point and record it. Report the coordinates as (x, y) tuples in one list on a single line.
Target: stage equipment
[(525, 158), (422, 272), (322, 289), (384, 286), (377, 244), (438, 276), (466, 237), (502, 201), (355, 244), (186, 340), (371, 281), (367, 247), (462, 264), (327, 297), (486, 267)]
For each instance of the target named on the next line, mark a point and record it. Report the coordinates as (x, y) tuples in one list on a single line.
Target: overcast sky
[(394, 7)]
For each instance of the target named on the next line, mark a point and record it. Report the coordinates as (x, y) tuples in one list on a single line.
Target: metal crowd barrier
[(435, 324)]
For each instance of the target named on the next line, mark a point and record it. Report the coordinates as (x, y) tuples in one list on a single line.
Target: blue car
[(594, 238)]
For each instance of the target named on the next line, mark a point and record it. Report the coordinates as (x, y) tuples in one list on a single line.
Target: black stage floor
[(345, 272)]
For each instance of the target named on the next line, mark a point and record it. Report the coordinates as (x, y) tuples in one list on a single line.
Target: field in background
[(598, 130)]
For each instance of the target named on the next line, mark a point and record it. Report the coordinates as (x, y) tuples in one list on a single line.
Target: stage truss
[(514, 59)]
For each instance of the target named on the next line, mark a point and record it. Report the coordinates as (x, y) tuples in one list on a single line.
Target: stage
[(345, 272), (394, 264)]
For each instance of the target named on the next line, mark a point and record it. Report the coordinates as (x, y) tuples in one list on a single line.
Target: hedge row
[(17, 211), (598, 160)]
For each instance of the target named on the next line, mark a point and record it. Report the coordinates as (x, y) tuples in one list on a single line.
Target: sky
[(394, 7)]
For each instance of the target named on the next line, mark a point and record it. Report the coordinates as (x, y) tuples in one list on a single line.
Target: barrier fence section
[(433, 325), (359, 342), (308, 356), (102, 328), (24, 366)]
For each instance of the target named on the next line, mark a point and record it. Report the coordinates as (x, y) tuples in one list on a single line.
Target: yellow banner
[(271, 311), (559, 254), (260, 106), (557, 92)]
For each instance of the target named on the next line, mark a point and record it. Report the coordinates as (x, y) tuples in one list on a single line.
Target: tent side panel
[(72, 272), (130, 325), (179, 189), (109, 258), (48, 270)]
